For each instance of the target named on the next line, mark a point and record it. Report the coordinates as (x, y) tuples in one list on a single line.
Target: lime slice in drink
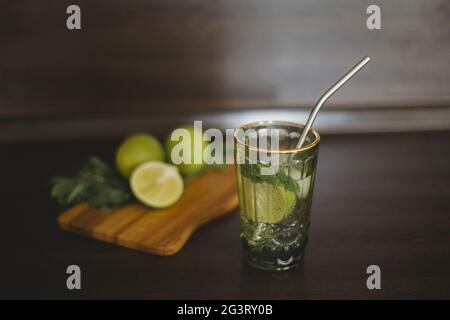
[(266, 202), (156, 184)]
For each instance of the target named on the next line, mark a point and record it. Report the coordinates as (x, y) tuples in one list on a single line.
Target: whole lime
[(137, 149), (195, 136)]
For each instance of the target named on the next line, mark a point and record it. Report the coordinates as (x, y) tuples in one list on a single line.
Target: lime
[(196, 138), (156, 184), (266, 202), (137, 149)]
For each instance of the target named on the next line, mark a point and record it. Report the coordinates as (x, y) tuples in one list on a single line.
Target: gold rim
[(311, 145)]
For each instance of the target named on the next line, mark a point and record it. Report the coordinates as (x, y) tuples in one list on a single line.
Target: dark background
[(137, 64), (382, 190)]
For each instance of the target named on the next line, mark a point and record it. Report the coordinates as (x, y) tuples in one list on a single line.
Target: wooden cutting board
[(159, 231)]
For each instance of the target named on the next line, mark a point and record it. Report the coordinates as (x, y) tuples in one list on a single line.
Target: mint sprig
[(253, 172), (96, 183)]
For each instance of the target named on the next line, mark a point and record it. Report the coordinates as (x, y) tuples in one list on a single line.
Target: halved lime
[(266, 202), (156, 184)]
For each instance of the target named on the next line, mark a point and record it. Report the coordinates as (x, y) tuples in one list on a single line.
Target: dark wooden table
[(380, 199)]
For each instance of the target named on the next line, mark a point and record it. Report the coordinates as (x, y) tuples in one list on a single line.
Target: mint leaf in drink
[(253, 172), (287, 182), (96, 183)]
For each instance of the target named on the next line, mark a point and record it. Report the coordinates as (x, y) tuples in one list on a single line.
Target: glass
[(275, 207)]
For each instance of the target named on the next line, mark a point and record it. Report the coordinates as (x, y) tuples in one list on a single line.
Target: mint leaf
[(253, 172), (287, 182), (97, 184)]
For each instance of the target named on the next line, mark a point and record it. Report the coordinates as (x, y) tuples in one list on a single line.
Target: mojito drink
[(275, 208)]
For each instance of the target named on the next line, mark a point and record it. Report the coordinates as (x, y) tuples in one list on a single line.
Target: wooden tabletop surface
[(380, 199)]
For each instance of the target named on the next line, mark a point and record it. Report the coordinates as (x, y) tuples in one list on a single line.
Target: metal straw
[(327, 95)]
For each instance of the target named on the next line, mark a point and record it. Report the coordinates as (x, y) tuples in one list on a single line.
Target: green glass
[(275, 208)]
